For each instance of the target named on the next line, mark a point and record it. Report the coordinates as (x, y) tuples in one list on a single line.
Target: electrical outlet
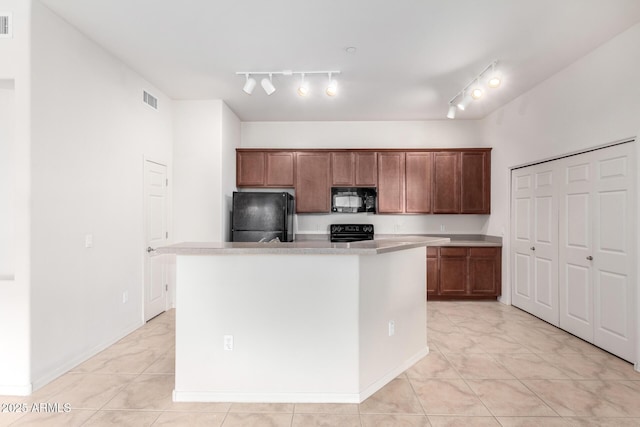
[(442, 227), (392, 328), (228, 342), (88, 241), (125, 297)]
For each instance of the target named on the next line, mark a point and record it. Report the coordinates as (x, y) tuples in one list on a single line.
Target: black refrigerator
[(259, 216)]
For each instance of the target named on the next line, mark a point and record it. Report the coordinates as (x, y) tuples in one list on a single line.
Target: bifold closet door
[(535, 241), (597, 297)]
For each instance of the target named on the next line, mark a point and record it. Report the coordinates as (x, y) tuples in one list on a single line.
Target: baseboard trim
[(202, 396), (385, 379), (66, 367)]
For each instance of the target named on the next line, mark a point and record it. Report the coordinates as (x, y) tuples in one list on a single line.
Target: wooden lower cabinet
[(464, 272)]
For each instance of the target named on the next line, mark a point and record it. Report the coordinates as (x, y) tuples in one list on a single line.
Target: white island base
[(305, 327)]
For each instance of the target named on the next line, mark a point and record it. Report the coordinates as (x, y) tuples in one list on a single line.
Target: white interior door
[(613, 251), (576, 246), (597, 247), (156, 230), (534, 219), (521, 224)]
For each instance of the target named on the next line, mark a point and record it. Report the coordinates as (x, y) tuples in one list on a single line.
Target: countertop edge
[(356, 248)]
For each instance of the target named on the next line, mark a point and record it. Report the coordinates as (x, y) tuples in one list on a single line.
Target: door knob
[(533, 248), (590, 258), (150, 249)]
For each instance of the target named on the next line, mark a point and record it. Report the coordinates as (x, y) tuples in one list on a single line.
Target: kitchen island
[(309, 321)]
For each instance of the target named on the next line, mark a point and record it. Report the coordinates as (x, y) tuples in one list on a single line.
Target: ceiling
[(412, 56)]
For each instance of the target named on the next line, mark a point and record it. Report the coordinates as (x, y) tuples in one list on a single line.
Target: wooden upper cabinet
[(366, 169), (250, 168), (265, 168), (280, 169), (418, 172), (354, 169), (475, 182), (446, 182), (342, 169), (313, 182), (391, 182)]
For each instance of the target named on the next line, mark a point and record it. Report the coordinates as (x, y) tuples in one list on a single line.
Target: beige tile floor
[(490, 365)]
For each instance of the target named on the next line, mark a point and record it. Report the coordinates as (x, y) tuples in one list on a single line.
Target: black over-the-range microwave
[(353, 199)]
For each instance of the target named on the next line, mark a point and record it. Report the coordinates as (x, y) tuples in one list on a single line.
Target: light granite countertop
[(473, 240), (303, 247)]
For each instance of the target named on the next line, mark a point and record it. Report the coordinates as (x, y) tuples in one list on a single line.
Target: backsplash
[(395, 224)]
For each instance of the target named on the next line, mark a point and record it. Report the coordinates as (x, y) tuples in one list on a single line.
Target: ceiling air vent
[(150, 100), (5, 25)]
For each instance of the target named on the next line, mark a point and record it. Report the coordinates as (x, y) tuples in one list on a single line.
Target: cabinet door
[(453, 271), (418, 182), (475, 192), (484, 271), (342, 169), (280, 170), (446, 182), (313, 182), (432, 271), (391, 182), (250, 170), (366, 166)]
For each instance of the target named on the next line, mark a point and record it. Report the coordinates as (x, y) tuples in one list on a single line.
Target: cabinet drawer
[(483, 252), (432, 252), (453, 252)]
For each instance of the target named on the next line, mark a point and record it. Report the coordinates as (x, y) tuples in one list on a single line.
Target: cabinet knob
[(533, 248), (590, 258), (150, 249)]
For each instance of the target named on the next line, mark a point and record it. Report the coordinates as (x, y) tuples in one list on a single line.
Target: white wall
[(230, 141), (15, 355), (90, 135), (410, 134), (197, 171), (206, 134), (592, 102), (7, 173)]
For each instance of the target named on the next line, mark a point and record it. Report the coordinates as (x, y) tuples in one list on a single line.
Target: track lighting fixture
[(476, 92), (463, 98), (332, 88), (303, 89), (267, 85), (494, 79), (451, 114), (464, 101), (249, 84)]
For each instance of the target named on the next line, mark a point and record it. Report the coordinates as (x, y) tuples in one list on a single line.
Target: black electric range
[(351, 232)]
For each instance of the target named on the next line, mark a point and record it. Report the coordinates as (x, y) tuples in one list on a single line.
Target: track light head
[(332, 88), (451, 114), (477, 92), (464, 101), (249, 85), (267, 85), (303, 89), (494, 79)]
